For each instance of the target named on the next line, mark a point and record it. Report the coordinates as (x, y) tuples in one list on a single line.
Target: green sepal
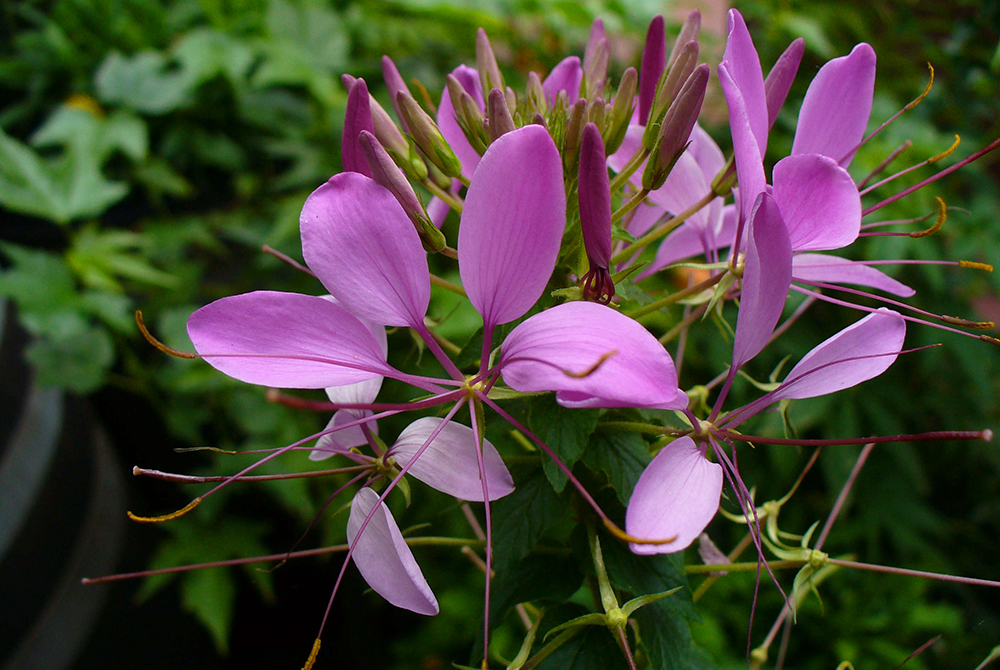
[(641, 601)]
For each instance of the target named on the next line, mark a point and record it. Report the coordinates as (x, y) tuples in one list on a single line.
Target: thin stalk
[(662, 230), (675, 297)]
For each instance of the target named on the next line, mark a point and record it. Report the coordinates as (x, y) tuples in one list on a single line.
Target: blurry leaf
[(534, 578), (38, 281), (593, 648), (204, 54), (144, 82), (101, 258), (70, 353), (210, 595), (521, 518), (621, 457), (565, 431)]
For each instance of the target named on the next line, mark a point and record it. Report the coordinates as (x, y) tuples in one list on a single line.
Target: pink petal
[(512, 224), (858, 353), (746, 150), (819, 202), (566, 76), (365, 250), (766, 278), (685, 185), (366, 391), (286, 340), (629, 146), (837, 105), (743, 65), (448, 124), (344, 439), (573, 338), (708, 154), (779, 79), (677, 495), (836, 270), (357, 117), (449, 464), (384, 559)]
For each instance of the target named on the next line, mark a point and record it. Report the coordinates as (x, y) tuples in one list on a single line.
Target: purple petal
[(767, 275), (395, 85), (358, 117), (743, 65), (566, 76), (595, 198), (837, 105), (746, 150), (344, 439), (858, 353), (512, 224), (706, 152), (779, 79), (366, 391), (836, 270), (363, 247), (819, 202), (631, 144), (286, 340), (677, 495), (449, 463), (685, 185), (384, 559), (632, 368), (448, 124)]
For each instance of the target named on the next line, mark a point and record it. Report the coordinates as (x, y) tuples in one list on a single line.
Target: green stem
[(675, 297), (633, 202), (750, 566), (545, 651), (453, 201), (448, 286), (634, 427), (628, 170), (662, 230)]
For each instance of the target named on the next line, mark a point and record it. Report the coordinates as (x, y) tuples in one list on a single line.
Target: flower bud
[(676, 128), (670, 83), (394, 82), (536, 102), (653, 62), (428, 136), (574, 132), (486, 63), (689, 32), (357, 118), (595, 61), (468, 115), (387, 173), (500, 119), (617, 122), (595, 215), (596, 111)]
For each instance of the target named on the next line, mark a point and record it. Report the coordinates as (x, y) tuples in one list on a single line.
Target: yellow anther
[(973, 265), (966, 323), (622, 535), (947, 152), (990, 339), (913, 103), (311, 661), (942, 216), (166, 517)]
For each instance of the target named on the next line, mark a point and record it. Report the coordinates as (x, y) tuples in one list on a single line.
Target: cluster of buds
[(512, 166)]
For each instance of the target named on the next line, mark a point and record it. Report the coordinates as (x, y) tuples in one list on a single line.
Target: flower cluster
[(572, 198)]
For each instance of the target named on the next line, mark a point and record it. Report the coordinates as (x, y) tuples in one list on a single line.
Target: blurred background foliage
[(149, 148)]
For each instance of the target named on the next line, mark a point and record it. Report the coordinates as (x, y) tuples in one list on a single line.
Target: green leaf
[(70, 353), (38, 281), (621, 457), (210, 595), (144, 82), (536, 577), (592, 649), (565, 431), (521, 518)]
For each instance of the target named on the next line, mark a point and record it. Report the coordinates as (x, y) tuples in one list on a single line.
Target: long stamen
[(155, 342)]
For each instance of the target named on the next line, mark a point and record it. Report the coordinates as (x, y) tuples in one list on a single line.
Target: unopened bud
[(385, 171), (596, 111), (723, 183), (616, 125), (468, 115), (428, 136), (394, 82), (595, 61), (689, 32), (654, 59), (676, 128), (500, 119), (486, 63), (357, 119), (535, 102), (779, 79), (574, 133), (668, 88), (387, 132), (595, 215)]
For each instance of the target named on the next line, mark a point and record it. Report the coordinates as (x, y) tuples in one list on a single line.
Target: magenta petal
[(837, 105), (449, 464), (358, 117), (819, 202), (677, 495), (746, 150), (448, 124), (654, 60), (286, 340), (342, 440), (365, 250), (743, 65), (836, 270), (779, 79), (767, 275), (858, 353), (384, 559), (566, 76), (512, 224), (542, 353)]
